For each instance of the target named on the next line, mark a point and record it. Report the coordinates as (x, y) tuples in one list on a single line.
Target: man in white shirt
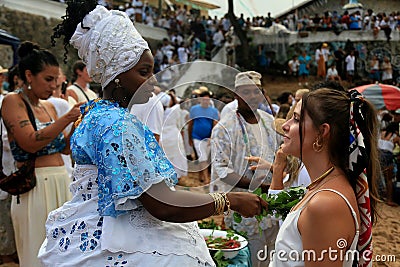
[(149, 19), (332, 73), (243, 132), (183, 53), (350, 62), (218, 37), (151, 114), (167, 49), (293, 65), (176, 38), (130, 11)]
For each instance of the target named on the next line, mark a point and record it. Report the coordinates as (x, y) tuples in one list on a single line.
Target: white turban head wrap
[(108, 44)]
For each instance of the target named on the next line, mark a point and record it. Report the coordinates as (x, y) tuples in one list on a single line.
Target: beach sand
[(386, 235)]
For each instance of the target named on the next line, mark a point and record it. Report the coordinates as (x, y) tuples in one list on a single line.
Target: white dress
[(105, 224), (171, 139), (78, 236)]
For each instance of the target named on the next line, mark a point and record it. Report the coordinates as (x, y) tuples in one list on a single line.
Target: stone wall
[(38, 29)]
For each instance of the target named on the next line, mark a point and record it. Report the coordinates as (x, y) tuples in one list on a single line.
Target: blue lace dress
[(117, 159)]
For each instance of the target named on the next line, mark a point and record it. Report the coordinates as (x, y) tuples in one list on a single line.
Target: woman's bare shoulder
[(328, 204), (12, 100)]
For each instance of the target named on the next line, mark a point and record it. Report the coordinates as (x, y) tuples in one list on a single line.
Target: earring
[(29, 87), (117, 83), (317, 146)]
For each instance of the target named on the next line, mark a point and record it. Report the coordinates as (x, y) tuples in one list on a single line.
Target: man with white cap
[(265, 105), (246, 131)]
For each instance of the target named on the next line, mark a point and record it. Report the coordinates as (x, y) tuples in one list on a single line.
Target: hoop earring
[(317, 146)]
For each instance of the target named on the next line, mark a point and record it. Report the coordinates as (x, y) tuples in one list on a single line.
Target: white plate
[(228, 253)]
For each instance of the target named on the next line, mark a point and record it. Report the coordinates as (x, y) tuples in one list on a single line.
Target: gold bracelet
[(219, 203), (215, 199), (227, 204)]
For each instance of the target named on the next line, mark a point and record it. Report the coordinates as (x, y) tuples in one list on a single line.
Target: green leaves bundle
[(279, 205)]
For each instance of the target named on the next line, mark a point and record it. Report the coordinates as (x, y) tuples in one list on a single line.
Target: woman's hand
[(279, 167), (74, 113), (280, 161), (247, 204), (262, 164)]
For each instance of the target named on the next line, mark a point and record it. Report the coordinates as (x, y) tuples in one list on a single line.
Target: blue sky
[(252, 8)]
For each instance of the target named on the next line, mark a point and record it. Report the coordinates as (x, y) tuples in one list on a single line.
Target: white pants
[(203, 149)]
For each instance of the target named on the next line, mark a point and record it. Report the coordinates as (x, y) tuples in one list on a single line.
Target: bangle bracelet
[(220, 201)]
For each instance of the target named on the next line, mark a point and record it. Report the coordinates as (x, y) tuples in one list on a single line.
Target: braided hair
[(75, 12)]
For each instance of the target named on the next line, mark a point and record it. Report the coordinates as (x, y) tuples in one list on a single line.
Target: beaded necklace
[(245, 136)]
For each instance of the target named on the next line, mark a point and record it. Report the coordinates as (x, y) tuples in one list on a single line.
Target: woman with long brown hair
[(338, 210)]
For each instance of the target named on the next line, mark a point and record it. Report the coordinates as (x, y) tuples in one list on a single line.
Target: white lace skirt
[(77, 236)]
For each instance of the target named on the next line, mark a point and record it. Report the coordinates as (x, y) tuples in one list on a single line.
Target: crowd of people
[(340, 65), (192, 36), (129, 148)]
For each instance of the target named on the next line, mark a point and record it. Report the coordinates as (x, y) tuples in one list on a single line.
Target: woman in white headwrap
[(124, 211)]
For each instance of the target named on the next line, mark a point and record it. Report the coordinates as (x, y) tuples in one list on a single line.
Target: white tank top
[(289, 238), (83, 97)]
